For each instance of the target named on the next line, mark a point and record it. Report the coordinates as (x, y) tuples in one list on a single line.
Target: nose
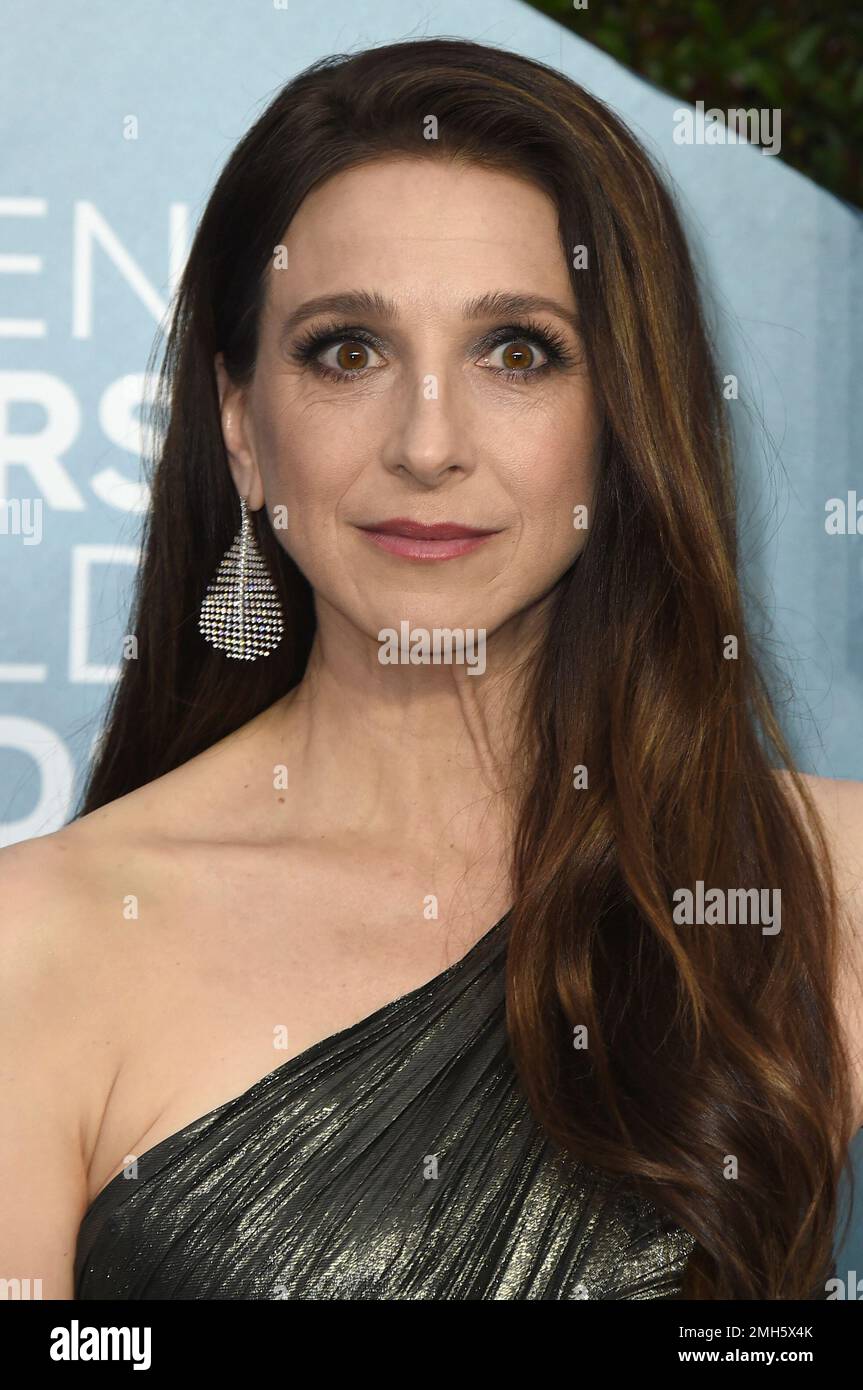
[(429, 436)]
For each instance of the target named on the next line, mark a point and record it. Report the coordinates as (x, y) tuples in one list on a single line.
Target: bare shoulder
[(44, 922), (91, 916), (75, 903), (64, 894), (55, 968), (58, 1055), (839, 805)]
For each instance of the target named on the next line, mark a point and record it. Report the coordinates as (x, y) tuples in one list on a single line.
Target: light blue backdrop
[(116, 122)]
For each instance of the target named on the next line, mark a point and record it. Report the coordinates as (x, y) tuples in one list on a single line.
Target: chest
[(239, 962)]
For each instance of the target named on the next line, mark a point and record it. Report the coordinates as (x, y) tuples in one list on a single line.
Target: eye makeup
[(311, 344)]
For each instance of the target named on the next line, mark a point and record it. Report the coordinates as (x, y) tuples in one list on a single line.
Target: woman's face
[(421, 396)]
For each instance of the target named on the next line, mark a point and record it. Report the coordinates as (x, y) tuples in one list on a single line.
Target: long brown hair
[(705, 1042)]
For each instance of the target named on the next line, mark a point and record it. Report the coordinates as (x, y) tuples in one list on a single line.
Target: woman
[(363, 955)]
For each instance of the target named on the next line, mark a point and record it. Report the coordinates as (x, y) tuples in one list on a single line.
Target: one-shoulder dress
[(396, 1159)]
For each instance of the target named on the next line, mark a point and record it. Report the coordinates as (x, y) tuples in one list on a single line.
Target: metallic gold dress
[(396, 1159)]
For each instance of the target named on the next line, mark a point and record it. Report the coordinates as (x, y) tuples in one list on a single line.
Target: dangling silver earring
[(240, 612)]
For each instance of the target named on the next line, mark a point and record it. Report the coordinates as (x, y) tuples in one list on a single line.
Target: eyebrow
[(355, 303)]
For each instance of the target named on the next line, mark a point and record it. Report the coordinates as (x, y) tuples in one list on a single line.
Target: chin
[(433, 635)]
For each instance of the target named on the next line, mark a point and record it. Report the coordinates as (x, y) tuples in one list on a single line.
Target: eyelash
[(553, 344)]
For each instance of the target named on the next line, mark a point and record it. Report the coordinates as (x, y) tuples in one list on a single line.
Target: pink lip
[(416, 540)]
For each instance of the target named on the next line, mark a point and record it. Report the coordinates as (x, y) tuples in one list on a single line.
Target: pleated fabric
[(396, 1159)]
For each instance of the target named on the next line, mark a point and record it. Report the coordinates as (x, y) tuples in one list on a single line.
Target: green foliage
[(806, 60)]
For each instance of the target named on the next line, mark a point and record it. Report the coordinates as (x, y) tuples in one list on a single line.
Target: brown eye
[(352, 355), (349, 357), (517, 356)]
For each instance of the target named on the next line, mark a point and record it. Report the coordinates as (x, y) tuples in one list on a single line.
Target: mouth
[(417, 540)]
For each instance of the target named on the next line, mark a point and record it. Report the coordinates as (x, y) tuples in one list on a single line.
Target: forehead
[(426, 230)]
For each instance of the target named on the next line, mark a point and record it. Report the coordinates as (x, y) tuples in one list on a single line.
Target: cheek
[(551, 470), (308, 462)]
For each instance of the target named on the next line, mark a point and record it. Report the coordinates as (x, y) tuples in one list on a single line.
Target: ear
[(237, 435)]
